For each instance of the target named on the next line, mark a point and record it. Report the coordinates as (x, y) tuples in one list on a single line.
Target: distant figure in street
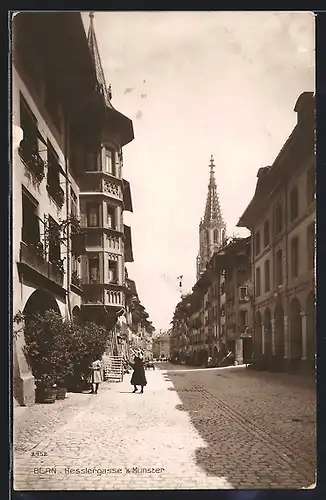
[(96, 375), (138, 377)]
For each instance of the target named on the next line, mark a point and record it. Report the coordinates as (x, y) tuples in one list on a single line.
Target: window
[(243, 319), (311, 185), (28, 123), (111, 219), (278, 219), (31, 227), (74, 203), (266, 233), (242, 292), (109, 162), (295, 257), (215, 236), (53, 178), (294, 204), (93, 215), (258, 282), (113, 271), (74, 265), (94, 269), (279, 267), (267, 276), (257, 243), (311, 246), (54, 241)]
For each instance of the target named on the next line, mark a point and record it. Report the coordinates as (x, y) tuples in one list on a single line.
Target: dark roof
[(127, 201)]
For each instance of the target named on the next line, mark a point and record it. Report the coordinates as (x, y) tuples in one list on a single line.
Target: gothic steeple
[(212, 228), (93, 47), (213, 210)]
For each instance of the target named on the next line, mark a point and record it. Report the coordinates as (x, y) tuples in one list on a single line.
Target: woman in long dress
[(138, 376), (96, 375)]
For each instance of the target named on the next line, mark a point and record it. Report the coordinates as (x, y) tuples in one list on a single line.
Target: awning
[(126, 195), (128, 244)]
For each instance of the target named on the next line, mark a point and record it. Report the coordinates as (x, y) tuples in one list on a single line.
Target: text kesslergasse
[(118, 470)]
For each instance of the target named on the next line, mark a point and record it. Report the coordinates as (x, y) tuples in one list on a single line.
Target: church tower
[(212, 228)]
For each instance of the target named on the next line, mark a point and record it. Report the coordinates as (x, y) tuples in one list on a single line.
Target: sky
[(197, 84)]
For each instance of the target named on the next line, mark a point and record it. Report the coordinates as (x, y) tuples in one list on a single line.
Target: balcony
[(33, 258), (96, 183), (108, 294), (76, 282)]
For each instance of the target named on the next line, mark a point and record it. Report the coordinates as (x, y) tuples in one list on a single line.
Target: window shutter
[(117, 165), (100, 267), (102, 158)]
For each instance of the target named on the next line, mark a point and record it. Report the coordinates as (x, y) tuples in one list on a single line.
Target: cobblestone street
[(202, 429)]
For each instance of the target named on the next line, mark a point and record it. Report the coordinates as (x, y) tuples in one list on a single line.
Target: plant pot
[(45, 395), (61, 393)]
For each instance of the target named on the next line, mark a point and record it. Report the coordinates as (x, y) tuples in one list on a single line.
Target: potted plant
[(48, 354), (33, 160), (38, 248), (46, 388), (59, 266), (61, 389)]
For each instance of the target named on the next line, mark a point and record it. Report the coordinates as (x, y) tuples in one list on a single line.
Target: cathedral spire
[(213, 211), (212, 228), (93, 47)]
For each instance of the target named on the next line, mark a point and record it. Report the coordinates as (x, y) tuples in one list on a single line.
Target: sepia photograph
[(163, 250)]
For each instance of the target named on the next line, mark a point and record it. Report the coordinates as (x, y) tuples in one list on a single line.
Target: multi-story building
[(55, 104), (216, 318), (104, 195), (235, 263), (161, 345), (70, 244), (281, 218), (196, 325)]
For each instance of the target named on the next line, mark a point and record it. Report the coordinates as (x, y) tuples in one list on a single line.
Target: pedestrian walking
[(138, 376), (96, 375)]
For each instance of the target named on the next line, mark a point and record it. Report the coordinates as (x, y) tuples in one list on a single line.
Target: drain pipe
[(66, 148)]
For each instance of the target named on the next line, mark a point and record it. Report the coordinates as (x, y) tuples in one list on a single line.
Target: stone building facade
[(281, 218)]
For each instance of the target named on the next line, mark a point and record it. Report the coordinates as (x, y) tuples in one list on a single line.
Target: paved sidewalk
[(119, 440), (211, 429)]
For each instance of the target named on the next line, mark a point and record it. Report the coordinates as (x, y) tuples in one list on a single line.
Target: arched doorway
[(267, 332), (295, 344), (257, 335), (39, 302), (311, 328), (279, 331), (76, 313)]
